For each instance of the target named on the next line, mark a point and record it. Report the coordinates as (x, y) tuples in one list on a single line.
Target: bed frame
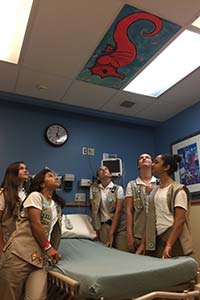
[(61, 287)]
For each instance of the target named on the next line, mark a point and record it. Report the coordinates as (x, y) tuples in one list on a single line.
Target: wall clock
[(56, 135)]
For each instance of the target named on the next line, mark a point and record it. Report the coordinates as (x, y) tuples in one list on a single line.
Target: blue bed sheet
[(109, 273)]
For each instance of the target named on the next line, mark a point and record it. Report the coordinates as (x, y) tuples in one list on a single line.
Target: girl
[(106, 200), (12, 193), (34, 242), (171, 211), (138, 194)]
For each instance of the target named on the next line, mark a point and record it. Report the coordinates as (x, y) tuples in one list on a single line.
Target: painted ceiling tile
[(132, 40)]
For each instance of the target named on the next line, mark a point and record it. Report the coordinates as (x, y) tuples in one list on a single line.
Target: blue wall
[(22, 130), (182, 125)]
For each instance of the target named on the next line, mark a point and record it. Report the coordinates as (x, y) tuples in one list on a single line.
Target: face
[(144, 160), (157, 166), (103, 172), (23, 172), (51, 181)]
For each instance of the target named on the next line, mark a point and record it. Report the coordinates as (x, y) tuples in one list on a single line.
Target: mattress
[(109, 273)]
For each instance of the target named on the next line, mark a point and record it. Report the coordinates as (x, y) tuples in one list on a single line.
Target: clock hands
[(57, 132)]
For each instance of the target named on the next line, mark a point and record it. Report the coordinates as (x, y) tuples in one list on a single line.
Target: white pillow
[(77, 226)]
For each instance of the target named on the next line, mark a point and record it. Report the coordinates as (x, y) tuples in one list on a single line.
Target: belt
[(109, 222)]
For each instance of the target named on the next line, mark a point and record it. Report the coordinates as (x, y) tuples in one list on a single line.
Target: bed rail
[(187, 294), (61, 287)]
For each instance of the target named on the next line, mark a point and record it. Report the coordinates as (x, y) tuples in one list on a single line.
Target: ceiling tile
[(160, 111), (8, 76), (185, 93), (113, 105), (87, 95), (181, 11), (41, 85), (66, 32)]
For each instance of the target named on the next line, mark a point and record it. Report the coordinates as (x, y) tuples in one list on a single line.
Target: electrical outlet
[(86, 182), (90, 151), (80, 197), (84, 151)]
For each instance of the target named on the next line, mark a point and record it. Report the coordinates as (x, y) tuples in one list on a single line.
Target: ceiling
[(60, 38)]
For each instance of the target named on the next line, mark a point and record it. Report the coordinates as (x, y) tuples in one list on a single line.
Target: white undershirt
[(34, 200), (21, 195), (103, 210), (164, 218)]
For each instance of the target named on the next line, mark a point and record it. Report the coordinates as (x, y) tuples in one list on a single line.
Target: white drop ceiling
[(60, 38)]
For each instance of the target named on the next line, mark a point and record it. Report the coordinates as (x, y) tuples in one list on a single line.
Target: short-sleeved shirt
[(138, 181), (21, 194), (34, 200), (104, 214), (164, 218), (8, 223)]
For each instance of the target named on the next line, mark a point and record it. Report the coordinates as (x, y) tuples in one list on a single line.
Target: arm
[(129, 223), (39, 234), (142, 247), (1, 234), (92, 210), (115, 221), (179, 220)]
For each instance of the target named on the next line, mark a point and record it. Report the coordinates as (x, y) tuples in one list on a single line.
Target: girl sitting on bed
[(108, 211), (23, 265), (168, 216)]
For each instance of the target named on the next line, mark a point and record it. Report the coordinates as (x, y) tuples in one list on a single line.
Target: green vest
[(24, 244), (8, 222), (96, 202), (139, 208), (185, 237)]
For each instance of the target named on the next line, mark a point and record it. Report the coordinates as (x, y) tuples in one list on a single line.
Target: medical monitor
[(114, 165)]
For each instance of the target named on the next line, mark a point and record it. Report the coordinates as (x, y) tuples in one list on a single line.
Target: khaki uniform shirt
[(22, 241)]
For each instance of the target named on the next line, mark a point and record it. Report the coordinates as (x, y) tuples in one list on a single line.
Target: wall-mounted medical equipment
[(114, 165), (68, 180)]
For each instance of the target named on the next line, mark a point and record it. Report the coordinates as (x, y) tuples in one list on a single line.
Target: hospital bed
[(89, 270)]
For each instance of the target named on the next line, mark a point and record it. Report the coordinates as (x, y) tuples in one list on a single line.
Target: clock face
[(56, 134)]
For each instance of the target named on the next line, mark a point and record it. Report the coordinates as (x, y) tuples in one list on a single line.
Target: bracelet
[(48, 247), (46, 244)]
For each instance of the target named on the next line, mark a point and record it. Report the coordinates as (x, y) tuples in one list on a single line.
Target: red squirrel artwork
[(124, 51)]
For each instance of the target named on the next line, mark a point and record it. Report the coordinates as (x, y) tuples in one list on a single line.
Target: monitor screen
[(114, 165)]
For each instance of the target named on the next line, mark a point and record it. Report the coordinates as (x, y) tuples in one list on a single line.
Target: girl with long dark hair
[(169, 212), (24, 262), (12, 193)]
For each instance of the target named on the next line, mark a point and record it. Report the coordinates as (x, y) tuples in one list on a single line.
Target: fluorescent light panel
[(14, 16), (196, 23), (179, 59)]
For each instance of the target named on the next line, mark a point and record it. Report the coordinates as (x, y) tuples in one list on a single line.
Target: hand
[(131, 244), (148, 188), (53, 255), (167, 252), (97, 235), (141, 249), (109, 243)]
